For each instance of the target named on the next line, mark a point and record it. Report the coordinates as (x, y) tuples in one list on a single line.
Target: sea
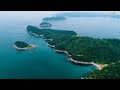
[(42, 62)]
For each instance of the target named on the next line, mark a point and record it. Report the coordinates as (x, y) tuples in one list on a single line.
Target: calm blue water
[(97, 27), (38, 63)]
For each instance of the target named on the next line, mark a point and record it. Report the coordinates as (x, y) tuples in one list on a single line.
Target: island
[(53, 18), (102, 53), (45, 24), (20, 45)]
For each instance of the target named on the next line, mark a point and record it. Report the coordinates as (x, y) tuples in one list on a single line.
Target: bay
[(38, 63)]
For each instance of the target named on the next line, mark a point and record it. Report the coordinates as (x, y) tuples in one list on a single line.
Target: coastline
[(38, 35), (52, 46), (99, 66), (33, 34), (49, 39), (62, 51), (86, 63), (32, 46)]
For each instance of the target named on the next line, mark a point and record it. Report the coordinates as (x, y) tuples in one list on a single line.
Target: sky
[(46, 12), (21, 13)]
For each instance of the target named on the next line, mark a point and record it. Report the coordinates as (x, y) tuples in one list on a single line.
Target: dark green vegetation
[(21, 44), (110, 72), (53, 18), (45, 24), (50, 33), (103, 51), (87, 49)]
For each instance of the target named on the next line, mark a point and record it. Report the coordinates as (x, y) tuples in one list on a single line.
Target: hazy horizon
[(35, 14)]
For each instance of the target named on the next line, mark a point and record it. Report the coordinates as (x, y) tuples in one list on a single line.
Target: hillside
[(87, 49), (110, 72)]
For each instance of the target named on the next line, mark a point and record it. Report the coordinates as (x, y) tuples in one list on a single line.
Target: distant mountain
[(45, 24), (116, 16), (80, 14), (53, 18)]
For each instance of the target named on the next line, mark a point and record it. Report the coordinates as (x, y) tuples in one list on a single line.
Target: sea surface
[(96, 27), (42, 62)]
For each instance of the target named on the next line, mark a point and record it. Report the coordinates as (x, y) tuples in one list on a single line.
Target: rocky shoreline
[(59, 51), (70, 59), (78, 62), (52, 46), (33, 34), (62, 51), (49, 39), (32, 46), (87, 63)]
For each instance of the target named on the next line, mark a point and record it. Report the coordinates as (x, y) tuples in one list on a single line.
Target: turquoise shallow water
[(38, 63)]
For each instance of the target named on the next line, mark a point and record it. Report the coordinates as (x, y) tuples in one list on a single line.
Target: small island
[(20, 45), (53, 18), (45, 24)]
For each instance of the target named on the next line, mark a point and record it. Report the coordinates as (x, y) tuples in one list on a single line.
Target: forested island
[(83, 50), (20, 45), (45, 24), (53, 18)]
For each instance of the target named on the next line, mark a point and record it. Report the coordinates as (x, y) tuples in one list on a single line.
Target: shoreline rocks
[(87, 63), (70, 59), (26, 48), (33, 34), (52, 46), (49, 39), (61, 51)]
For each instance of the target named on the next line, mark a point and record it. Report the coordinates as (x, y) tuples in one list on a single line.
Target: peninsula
[(81, 49), (20, 45)]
